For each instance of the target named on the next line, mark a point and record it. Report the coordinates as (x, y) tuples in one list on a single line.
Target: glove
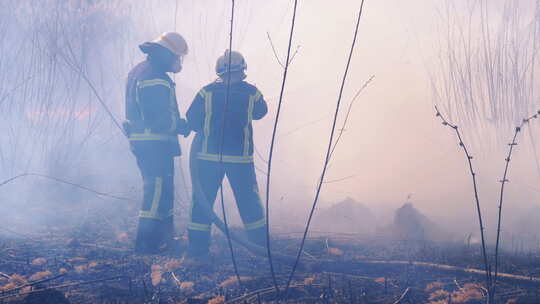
[(183, 128)]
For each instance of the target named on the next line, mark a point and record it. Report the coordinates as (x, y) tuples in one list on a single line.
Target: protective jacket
[(152, 110), (205, 116), (153, 127)]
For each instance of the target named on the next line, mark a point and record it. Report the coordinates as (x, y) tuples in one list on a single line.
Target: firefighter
[(152, 126), (223, 146)]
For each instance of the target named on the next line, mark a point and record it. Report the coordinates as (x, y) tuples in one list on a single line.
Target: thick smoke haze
[(393, 149)]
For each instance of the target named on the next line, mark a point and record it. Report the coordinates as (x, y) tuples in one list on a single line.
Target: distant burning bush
[(410, 224)]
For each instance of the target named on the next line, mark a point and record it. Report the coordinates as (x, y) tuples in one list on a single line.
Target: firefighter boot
[(152, 235), (169, 243), (199, 244)]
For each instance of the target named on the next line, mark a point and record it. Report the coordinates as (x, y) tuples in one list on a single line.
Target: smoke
[(53, 52)]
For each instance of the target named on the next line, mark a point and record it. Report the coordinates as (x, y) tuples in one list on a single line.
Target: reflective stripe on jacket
[(151, 108), (206, 114)]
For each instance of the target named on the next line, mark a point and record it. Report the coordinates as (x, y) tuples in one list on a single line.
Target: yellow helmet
[(174, 42), (238, 63)]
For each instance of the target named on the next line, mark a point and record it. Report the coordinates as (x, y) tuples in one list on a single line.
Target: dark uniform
[(154, 122), (205, 117)]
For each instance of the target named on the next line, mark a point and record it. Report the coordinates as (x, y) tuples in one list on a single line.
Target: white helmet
[(238, 63), (174, 42)]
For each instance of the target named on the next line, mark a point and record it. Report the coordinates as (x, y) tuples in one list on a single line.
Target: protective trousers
[(156, 226), (243, 181)]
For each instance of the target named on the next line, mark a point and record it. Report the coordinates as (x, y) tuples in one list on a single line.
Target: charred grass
[(94, 263)]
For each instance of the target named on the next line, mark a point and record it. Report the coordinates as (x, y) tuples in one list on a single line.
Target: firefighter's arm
[(260, 108), (154, 97), (196, 112)]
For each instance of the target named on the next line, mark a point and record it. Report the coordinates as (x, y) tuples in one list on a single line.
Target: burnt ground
[(92, 262)]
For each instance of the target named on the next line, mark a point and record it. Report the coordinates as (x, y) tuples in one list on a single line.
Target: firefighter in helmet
[(152, 126), (223, 146)]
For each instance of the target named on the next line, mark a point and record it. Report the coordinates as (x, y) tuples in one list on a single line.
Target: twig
[(403, 296), (503, 181), (329, 149), (340, 179), (5, 276), (349, 112), (264, 291), (65, 182), (473, 175), (274, 49), (78, 69), (310, 256), (271, 153), (177, 281), (275, 53), (222, 139), (352, 276), (326, 245), (325, 116), (34, 283), (61, 286)]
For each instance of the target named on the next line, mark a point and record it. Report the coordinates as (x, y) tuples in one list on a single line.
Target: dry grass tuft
[(187, 286), (309, 280), (173, 265), (434, 285), (14, 281), (78, 260), (8, 286), (81, 268), (18, 279), (39, 261), (438, 295), (231, 281), (335, 251), (156, 275), (439, 302), (122, 237), (40, 275), (26, 289), (470, 291), (217, 300)]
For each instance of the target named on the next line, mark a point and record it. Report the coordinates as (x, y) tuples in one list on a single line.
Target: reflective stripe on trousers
[(243, 181), (157, 170)]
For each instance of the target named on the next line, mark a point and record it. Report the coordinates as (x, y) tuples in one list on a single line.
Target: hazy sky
[(393, 144)]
